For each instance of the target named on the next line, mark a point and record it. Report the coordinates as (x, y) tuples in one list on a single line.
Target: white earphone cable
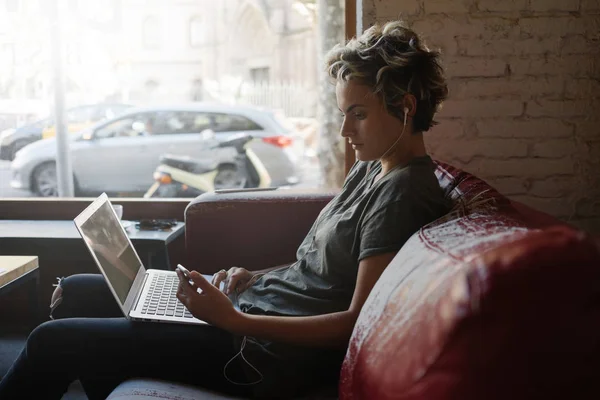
[(247, 362), (399, 137)]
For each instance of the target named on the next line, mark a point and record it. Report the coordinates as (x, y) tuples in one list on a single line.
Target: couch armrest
[(250, 229)]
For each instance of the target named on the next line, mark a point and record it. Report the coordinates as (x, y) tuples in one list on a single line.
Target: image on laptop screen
[(109, 243)]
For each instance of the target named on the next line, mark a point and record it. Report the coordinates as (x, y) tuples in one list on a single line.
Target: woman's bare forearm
[(327, 330)]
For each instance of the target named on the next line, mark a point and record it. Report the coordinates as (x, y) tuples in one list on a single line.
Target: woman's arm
[(328, 330), (240, 279)]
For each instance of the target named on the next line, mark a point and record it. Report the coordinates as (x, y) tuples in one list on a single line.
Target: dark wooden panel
[(51, 209)]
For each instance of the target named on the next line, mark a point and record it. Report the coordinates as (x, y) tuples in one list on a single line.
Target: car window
[(233, 123), (178, 122), (107, 111), (284, 124), (133, 125), (80, 115)]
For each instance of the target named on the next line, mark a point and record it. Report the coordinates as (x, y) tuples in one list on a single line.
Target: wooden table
[(16, 271)]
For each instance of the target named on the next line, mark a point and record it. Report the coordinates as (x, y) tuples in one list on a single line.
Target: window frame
[(25, 208)]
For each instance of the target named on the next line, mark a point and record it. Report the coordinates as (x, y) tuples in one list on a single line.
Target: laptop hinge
[(139, 295)]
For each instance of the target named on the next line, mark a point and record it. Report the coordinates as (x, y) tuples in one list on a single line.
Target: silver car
[(119, 155)]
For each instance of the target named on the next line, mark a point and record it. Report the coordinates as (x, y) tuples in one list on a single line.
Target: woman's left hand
[(210, 305)]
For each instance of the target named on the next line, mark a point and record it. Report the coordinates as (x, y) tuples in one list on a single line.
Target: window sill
[(61, 209)]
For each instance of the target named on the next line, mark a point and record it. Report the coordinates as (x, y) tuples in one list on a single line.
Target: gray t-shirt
[(365, 219)]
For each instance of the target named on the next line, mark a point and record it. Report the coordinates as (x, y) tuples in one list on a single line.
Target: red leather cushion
[(520, 320), (479, 304)]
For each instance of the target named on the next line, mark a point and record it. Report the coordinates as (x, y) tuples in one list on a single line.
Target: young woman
[(293, 324)]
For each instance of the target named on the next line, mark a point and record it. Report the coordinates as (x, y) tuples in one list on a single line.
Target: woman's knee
[(42, 341), (56, 298), (69, 295)]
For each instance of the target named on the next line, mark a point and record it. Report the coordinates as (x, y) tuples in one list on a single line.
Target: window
[(197, 32), (233, 123), (225, 57), (192, 122), (79, 115), (129, 126), (151, 32)]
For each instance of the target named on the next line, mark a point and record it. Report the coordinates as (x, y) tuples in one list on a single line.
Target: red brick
[(525, 167), (557, 108), (553, 148), (473, 67), (446, 6), (539, 128), (554, 5), (558, 207), (554, 187), (504, 5), (510, 186)]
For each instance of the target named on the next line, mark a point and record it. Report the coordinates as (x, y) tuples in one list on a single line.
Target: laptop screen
[(108, 241)]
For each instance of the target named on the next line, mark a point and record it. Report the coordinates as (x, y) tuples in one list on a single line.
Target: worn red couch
[(492, 301)]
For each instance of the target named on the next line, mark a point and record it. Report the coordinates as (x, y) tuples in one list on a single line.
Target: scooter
[(183, 176)]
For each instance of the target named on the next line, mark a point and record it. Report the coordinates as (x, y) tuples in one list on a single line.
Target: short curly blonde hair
[(393, 61)]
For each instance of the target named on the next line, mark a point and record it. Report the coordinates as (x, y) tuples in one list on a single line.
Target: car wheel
[(45, 182), (18, 145), (228, 178)]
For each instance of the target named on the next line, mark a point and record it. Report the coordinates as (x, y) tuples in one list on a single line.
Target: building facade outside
[(261, 52)]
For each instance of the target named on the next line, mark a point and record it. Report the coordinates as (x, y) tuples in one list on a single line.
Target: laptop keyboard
[(162, 298)]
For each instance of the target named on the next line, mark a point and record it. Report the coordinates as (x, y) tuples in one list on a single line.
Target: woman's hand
[(210, 305), (238, 279)]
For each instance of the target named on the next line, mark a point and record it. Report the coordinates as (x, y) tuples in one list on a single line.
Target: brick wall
[(524, 105)]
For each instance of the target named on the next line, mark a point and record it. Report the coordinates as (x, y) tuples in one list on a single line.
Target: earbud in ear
[(406, 110)]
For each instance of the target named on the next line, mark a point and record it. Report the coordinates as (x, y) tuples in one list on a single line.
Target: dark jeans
[(90, 340)]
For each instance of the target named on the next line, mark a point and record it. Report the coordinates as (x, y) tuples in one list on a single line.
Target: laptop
[(143, 294)]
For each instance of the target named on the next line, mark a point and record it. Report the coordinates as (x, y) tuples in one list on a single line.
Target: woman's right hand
[(238, 279)]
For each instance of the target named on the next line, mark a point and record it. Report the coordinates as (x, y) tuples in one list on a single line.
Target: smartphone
[(185, 273)]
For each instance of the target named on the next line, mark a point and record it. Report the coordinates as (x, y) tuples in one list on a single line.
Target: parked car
[(13, 140), (120, 155)]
